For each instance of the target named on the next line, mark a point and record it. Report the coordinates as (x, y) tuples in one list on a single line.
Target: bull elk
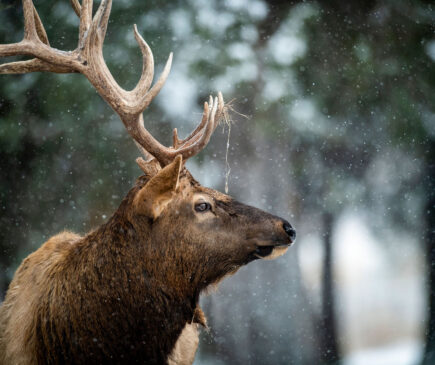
[(128, 291)]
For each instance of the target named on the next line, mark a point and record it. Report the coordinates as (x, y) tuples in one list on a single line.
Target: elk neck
[(138, 265)]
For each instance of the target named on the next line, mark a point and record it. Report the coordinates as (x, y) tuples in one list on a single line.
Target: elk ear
[(152, 199)]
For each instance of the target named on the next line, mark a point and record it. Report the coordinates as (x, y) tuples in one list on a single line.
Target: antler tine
[(195, 135), (29, 10), (85, 15), (40, 30), (152, 93), (193, 147), (220, 110), (147, 65), (98, 26), (221, 103), (198, 128), (147, 155), (33, 27), (33, 65), (175, 140), (76, 7), (212, 112)]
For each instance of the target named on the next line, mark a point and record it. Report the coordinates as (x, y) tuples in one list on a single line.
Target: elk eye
[(202, 207)]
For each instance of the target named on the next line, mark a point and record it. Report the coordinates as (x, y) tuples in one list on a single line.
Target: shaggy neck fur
[(125, 297)]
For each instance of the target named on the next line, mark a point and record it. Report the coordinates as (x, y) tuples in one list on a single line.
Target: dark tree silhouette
[(429, 352), (328, 339)]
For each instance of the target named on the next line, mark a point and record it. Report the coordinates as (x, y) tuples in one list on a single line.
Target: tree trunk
[(429, 353), (328, 332)]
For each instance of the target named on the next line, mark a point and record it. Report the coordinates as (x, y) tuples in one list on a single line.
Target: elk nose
[(289, 230)]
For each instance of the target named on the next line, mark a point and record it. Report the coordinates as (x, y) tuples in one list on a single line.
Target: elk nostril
[(289, 230)]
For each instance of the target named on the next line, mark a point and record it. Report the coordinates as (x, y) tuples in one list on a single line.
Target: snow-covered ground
[(401, 353)]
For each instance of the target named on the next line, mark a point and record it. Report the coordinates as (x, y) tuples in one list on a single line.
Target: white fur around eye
[(202, 207), (202, 199)]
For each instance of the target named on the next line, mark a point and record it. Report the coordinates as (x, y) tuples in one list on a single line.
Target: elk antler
[(88, 60)]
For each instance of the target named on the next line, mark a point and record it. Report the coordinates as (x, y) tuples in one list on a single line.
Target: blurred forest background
[(340, 140)]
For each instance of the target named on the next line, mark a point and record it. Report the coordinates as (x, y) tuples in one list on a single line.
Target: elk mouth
[(271, 252)]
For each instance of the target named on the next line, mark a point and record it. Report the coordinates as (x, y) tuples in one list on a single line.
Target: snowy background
[(339, 140)]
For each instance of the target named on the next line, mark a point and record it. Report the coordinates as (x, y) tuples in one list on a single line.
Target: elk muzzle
[(279, 243), (289, 230)]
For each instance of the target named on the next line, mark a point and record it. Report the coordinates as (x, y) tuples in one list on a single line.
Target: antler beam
[(88, 60)]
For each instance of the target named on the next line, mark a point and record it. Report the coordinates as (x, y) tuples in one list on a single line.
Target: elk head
[(198, 233), (207, 232)]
